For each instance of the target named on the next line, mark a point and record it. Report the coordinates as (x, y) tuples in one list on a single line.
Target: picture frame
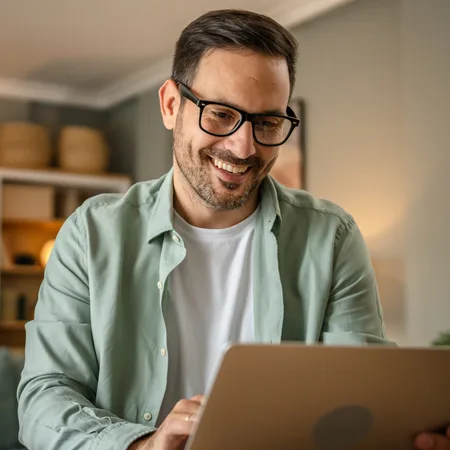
[(290, 167)]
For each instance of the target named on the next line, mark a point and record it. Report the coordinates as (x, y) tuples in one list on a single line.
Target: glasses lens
[(219, 120), (271, 130)]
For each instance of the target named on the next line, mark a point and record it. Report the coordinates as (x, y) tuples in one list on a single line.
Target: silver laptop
[(291, 396)]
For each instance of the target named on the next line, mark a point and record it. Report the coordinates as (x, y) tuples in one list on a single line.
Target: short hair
[(232, 29)]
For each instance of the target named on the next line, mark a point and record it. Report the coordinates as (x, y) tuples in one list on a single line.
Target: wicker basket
[(24, 145), (82, 149)]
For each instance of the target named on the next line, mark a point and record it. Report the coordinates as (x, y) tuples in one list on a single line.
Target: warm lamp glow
[(45, 252)]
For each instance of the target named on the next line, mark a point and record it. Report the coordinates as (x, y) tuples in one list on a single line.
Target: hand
[(176, 428), (429, 441)]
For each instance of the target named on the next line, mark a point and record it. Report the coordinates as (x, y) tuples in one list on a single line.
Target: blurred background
[(79, 114)]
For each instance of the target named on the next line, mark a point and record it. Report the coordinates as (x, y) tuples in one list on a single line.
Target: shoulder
[(142, 194), (298, 205)]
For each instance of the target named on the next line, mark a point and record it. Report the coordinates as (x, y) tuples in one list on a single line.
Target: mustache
[(228, 157)]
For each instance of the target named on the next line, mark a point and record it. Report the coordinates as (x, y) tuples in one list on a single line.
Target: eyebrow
[(266, 112)]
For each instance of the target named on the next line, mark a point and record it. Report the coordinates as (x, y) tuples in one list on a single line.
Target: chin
[(226, 199)]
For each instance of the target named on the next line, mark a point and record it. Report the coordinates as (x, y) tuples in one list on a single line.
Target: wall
[(154, 142), (349, 75), (426, 113), (139, 142), (121, 126), (13, 110), (375, 75)]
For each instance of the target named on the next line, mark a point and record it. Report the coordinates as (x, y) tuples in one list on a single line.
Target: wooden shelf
[(27, 237), (12, 333), (53, 225), (23, 270), (56, 177), (12, 325)]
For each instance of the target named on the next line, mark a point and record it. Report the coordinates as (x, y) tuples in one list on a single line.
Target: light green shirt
[(96, 359)]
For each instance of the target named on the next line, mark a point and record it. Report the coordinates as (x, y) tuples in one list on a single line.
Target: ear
[(169, 102)]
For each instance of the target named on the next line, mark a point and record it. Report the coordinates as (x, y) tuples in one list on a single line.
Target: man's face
[(248, 81)]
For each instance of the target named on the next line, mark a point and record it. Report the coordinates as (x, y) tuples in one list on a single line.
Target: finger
[(187, 406), (427, 441), (179, 424), (187, 417), (201, 399)]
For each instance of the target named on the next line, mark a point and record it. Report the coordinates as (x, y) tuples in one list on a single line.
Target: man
[(142, 291)]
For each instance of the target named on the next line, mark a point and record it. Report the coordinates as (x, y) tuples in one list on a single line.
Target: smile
[(229, 167)]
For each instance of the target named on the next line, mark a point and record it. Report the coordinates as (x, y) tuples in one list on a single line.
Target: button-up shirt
[(96, 352)]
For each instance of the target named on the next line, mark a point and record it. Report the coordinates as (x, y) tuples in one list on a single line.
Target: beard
[(196, 169)]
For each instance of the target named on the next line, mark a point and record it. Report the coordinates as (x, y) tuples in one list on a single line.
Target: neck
[(198, 214)]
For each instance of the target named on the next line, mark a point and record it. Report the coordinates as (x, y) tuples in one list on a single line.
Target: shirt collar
[(161, 219), (270, 206)]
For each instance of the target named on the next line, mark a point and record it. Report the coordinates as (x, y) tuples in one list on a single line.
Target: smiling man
[(142, 291)]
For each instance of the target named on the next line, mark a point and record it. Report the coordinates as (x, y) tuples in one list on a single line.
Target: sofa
[(10, 367)]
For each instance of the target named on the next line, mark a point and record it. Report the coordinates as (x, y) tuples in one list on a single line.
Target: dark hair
[(234, 30)]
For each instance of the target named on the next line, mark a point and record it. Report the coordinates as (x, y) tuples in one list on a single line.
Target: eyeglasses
[(220, 119)]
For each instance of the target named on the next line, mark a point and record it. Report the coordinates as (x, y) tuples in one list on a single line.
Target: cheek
[(187, 139), (201, 140), (269, 156)]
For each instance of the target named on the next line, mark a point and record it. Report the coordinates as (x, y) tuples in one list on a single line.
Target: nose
[(241, 143)]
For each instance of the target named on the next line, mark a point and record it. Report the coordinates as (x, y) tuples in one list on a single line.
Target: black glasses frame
[(245, 116)]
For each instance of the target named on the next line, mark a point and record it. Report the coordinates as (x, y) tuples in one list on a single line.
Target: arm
[(58, 386), (353, 314)]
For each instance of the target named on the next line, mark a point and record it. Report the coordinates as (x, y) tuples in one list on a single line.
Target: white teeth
[(228, 167)]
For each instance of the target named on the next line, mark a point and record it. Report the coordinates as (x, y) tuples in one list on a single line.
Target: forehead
[(249, 80)]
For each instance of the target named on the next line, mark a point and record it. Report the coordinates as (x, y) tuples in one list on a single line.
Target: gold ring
[(188, 417)]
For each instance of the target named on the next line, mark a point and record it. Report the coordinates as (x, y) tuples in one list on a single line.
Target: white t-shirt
[(211, 305)]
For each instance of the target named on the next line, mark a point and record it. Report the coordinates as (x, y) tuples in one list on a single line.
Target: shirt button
[(147, 416), (176, 238), (163, 352), (160, 285)]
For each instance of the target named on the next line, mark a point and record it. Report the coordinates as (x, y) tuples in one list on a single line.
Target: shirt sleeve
[(58, 385), (353, 315)]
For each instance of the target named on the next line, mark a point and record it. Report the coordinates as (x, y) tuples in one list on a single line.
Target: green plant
[(442, 339)]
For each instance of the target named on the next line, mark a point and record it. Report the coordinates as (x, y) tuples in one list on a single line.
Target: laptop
[(291, 396)]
